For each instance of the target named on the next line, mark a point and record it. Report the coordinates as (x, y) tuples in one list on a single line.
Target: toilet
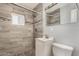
[(61, 49)]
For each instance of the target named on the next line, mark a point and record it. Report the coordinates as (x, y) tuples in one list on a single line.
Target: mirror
[(62, 13)]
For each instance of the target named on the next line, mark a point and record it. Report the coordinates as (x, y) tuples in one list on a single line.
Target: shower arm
[(77, 5)]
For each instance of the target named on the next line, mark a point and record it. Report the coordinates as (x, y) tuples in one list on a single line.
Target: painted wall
[(64, 33), (65, 13)]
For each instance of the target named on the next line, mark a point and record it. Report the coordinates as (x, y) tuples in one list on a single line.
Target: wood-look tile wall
[(38, 21), (15, 39)]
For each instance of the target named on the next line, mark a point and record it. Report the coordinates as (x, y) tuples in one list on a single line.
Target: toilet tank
[(61, 50)]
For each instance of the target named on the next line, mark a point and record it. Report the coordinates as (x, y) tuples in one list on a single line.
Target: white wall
[(65, 13), (67, 34)]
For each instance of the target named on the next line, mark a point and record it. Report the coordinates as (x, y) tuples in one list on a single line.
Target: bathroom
[(32, 29)]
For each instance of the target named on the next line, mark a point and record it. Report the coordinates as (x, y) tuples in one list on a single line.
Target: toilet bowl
[(61, 50)]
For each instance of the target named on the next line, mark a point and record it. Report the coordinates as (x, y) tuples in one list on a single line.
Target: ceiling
[(28, 5)]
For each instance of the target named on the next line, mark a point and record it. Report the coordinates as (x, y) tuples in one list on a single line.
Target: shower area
[(19, 26)]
